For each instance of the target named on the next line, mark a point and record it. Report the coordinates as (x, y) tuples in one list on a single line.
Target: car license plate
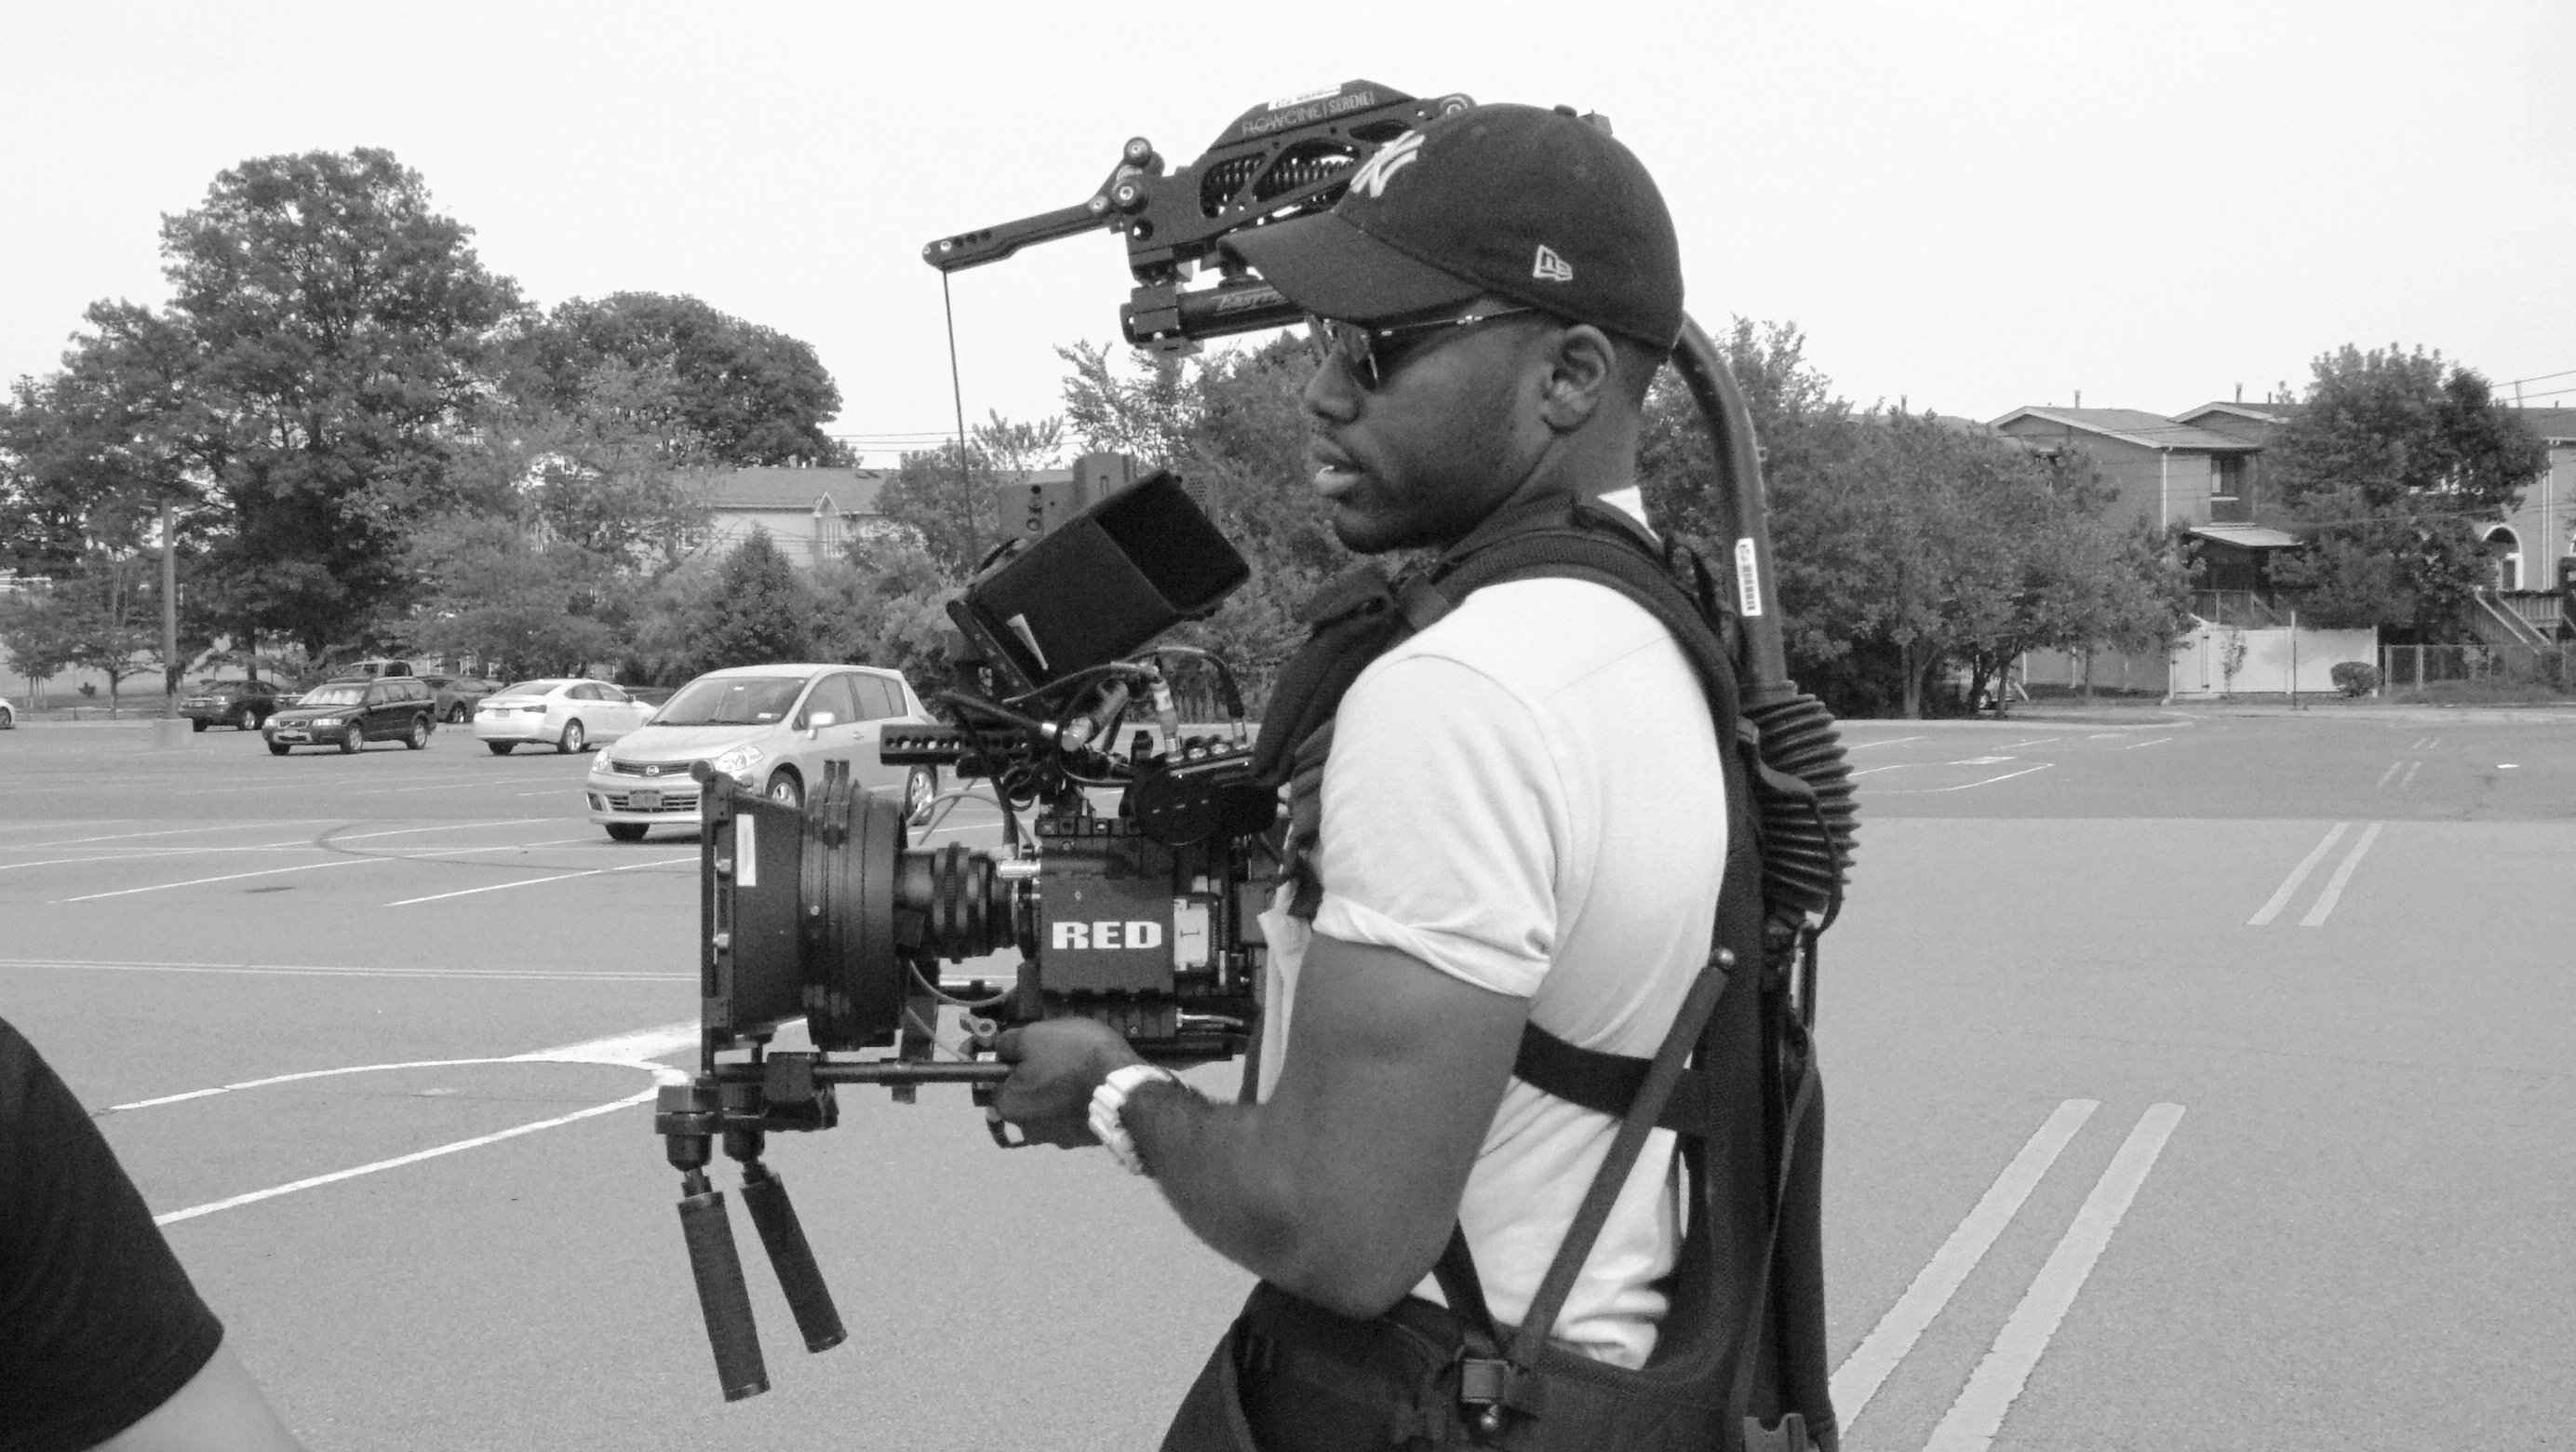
[(290, 735), (644, 801)]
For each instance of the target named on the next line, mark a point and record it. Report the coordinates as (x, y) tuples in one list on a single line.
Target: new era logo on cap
[(1551, 268)]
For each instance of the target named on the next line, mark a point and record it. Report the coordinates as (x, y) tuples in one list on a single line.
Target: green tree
[(340, 335), (1905, 543), (757, 611), (2391, 470), (505, 597), (739, 393), (1232, 424), (102, 616), (948, 499)]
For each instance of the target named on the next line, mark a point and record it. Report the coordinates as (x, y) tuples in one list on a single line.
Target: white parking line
[(2280, 897), (2408, 780), (1859, 1377), (1963, 786), (2385, 776), (338, 862), (643, 1096), (1890, 741), (635, 1050), (1973, 1419), (227, 877), (172, 832), (2342, 874), (2159, 741), (503, 975), (533, 881), (448, 827)]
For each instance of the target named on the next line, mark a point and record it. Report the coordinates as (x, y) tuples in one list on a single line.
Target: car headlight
[(738, 761), (318, 722)]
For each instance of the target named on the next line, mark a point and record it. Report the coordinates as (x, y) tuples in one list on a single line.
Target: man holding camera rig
[(1520, 818)]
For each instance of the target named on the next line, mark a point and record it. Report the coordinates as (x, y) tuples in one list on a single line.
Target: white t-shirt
[(1528, 796)]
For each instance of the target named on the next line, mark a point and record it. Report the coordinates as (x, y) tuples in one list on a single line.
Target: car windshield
[(334, 695), (731, 701), (529, 688)]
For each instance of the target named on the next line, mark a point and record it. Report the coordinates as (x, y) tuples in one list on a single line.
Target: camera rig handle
[(1279, 160)]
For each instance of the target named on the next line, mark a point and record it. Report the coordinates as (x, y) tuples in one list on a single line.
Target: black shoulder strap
[(1595, 544)]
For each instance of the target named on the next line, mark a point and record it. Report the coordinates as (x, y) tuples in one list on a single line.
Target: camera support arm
[(1295, 156), (1279, 160)]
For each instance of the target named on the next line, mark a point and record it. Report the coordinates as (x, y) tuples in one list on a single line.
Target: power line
[(2536, 378)]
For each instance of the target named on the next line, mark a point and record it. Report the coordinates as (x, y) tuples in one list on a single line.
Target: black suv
[(244, 705), (349, 714)]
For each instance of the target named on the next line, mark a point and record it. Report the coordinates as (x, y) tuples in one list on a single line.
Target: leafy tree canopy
[(2393, 468), (341, 335), (730, 391)]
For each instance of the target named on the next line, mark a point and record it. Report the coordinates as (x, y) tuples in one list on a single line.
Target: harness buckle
[(1789, 1436)]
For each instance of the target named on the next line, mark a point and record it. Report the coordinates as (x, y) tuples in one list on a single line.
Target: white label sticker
[(1284, 102), (1748, 580), (746, 852), (1189, 933)]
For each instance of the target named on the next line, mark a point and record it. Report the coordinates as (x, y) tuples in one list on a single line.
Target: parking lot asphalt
[(2195, 1082)]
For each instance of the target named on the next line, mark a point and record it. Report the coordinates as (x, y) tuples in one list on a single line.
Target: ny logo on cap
[(1371, 179), (1551, 268)]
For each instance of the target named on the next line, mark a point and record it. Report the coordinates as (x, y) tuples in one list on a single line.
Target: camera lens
[(870, 908)]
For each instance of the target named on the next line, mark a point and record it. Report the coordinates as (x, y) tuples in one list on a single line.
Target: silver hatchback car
[(769, 727)]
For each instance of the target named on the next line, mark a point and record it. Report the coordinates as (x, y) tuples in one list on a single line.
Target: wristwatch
[(1110, 1100)]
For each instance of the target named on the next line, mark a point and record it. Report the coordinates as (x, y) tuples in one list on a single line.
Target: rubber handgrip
[(717, 1267), (798, 1276)]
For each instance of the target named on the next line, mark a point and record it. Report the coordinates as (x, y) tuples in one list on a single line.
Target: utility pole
[(170, 664)]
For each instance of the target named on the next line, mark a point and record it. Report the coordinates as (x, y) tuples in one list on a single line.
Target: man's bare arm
[(1343, 1185), (219, 1410)]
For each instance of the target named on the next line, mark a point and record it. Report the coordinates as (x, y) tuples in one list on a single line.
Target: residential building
[(811, 514), (2165, 471), (2535, 547)]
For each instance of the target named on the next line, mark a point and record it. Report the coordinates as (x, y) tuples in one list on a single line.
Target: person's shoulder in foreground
[(103, 1340)]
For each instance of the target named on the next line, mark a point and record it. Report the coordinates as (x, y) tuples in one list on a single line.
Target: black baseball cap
[(1539, 206)]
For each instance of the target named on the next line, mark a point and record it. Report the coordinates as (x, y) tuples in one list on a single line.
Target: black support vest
[(1740, 1359)]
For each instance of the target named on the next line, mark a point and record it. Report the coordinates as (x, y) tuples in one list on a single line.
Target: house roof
[(2260, 412), (2247, 536), (2131, 425), (851, 491)]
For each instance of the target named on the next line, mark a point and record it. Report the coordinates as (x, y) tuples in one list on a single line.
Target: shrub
[(2355, 678)]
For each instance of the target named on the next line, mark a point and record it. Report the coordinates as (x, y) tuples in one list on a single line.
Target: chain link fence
[(2414, 667)]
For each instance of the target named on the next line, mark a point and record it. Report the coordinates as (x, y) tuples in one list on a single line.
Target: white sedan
[(566, 713)]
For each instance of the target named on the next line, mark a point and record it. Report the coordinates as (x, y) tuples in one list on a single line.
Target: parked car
[(457, 695), (568, 713), (8, 715), (769, 727), (349, 714), (370, 668), (244, 705)]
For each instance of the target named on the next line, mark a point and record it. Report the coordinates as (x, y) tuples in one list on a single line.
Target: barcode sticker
[(1748, 580)]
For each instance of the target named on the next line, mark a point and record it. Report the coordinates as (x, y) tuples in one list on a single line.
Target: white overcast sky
[(1970, 206)]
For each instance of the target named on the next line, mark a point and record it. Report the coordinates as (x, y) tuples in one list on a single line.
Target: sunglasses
[(1369, 353)]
